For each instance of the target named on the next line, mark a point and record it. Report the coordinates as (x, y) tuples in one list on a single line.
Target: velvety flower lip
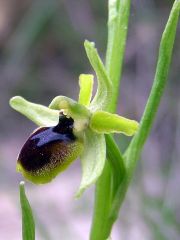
[(48, 149), (62, 132)]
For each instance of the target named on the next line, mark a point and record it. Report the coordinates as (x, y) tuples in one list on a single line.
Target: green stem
[(106, 187), (116, 161), (117, 33), (160, 79), (133, 152), (104, 218), (101, 205)]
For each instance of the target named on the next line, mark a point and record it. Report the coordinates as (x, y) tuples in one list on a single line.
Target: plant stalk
[(133, 152), (117, 33), (118, 20), (113, 64)]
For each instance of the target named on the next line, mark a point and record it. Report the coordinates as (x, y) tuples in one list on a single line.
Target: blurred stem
[(30, 29), (117, 32)]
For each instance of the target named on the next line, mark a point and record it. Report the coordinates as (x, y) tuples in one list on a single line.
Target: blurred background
[(41, 56)]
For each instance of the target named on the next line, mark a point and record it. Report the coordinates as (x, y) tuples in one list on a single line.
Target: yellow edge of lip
[(19, 168)]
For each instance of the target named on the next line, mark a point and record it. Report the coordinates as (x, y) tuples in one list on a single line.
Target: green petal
[(39, 114), (93, 159), (103, 93), (71, 107), (104, 122), (86, 86), (78, 112), (28, 225)]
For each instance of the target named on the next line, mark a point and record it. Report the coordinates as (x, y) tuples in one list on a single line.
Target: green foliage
[(130, 158), (117, 33), (160, 79), (28, 225)]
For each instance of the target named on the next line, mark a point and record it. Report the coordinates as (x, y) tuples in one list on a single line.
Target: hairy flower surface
[(48, 151)]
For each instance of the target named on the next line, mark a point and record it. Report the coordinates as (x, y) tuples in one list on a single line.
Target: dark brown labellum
[(48, 151)]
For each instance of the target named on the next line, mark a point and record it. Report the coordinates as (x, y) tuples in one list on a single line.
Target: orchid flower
[(49, 151)]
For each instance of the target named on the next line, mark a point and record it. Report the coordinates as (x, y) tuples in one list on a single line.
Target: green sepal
[(104, 90), (28, 225), (86, 86), (104, 122), (92, 159), (39, 114)]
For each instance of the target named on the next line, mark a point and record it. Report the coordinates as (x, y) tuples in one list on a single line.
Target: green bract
[(90, 122)]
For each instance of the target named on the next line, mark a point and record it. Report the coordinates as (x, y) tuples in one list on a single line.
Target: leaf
[(104, 89), (39, 114), (86, 86), (93, 159), (104, 122), (28, 225), (160, 79)]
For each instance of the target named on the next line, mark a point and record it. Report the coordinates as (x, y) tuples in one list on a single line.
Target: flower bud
[(48, 151)]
